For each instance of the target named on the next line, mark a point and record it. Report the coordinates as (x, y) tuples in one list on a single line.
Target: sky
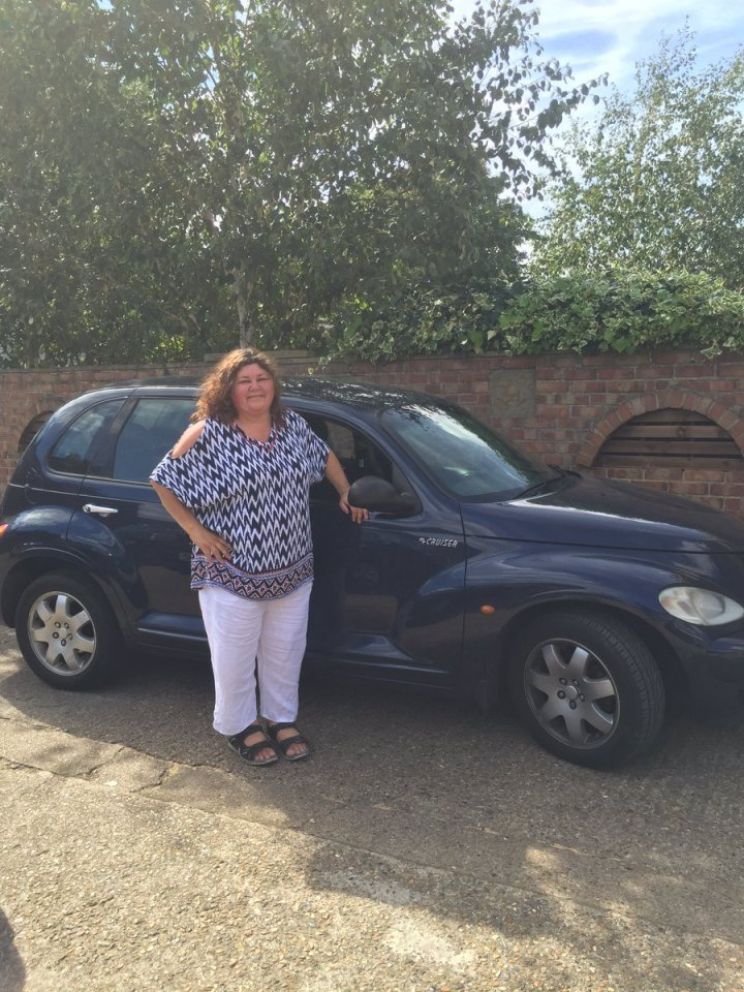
[(594, 37), (598, 36)]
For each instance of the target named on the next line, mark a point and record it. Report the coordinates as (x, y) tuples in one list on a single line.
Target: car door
[(149, 555), (388, 596)]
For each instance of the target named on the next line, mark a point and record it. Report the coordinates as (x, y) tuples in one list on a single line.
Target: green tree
[(657, 181), (94, 265), (168, 166)]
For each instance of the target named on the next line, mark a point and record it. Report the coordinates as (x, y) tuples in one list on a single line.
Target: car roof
[(361, 395)]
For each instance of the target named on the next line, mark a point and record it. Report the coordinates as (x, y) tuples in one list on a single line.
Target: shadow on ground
[(415, 787), (12, 971)]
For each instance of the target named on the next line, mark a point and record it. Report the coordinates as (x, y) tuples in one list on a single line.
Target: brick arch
[(33, 426), (675, 399), (37, 406)]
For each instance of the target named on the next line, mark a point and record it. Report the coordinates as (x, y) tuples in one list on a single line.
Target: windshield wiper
[(564, 471), (539, 487)]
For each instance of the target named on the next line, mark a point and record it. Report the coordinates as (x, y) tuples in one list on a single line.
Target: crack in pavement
[(95, 768)]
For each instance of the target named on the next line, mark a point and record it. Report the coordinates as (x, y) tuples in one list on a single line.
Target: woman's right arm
[(209, 543)]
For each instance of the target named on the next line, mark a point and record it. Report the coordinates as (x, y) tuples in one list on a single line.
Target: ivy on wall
[(620, 311)]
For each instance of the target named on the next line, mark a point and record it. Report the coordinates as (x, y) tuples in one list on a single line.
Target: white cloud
[(610, 36)]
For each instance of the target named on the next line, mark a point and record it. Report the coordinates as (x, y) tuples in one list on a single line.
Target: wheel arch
[(34, 567), (670, 666)]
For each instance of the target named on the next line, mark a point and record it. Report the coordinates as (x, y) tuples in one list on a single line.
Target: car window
[(358, 455), (73, 449), (152, 428), (466, 458)]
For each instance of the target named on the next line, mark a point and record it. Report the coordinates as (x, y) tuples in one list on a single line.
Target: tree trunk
[(240, 288)]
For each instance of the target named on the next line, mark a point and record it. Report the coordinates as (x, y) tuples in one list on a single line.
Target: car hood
[(580, 510)]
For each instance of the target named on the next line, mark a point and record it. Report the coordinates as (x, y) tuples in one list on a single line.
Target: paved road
[(424, 848)]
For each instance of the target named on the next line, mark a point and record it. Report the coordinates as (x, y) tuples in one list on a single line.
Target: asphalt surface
[(424, 848)]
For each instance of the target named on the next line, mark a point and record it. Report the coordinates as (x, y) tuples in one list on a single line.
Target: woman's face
[(253, 391)]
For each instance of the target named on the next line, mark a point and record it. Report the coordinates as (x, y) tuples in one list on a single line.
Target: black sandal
[(273, 731), (248, 752)]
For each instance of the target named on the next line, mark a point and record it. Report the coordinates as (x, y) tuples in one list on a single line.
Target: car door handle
[(100, 511)]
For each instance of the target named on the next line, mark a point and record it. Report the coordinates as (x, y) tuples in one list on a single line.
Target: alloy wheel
[(61, 633), (572, 693)]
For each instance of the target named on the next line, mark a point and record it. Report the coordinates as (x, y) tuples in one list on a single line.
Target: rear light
[(3, 528)]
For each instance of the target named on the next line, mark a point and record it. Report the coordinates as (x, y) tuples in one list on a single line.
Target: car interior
[(358, 455)]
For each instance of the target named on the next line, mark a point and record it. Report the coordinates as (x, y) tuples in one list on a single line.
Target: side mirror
[(378, 495)]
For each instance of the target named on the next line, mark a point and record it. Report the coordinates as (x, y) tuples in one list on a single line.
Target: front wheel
[(67, 632), (588, 688)]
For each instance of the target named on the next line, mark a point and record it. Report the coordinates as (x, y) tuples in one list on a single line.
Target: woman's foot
[(293, 745), (254, 746)]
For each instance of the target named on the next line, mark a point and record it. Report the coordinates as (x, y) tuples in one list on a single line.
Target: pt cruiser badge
[(438, 542)]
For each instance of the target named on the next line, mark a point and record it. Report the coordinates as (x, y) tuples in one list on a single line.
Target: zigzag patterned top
[(254, 494)]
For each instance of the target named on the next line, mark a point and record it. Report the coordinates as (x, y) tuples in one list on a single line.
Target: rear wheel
[(588, 688), (67, 632)]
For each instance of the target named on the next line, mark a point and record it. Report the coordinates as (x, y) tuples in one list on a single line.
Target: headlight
[(700, 606)]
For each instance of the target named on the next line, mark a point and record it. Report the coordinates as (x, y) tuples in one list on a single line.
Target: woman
[(238, 483)]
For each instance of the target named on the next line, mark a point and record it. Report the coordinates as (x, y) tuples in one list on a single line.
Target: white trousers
[(244, 634)]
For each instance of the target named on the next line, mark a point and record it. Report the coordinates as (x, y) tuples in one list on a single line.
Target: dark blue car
[(477, 570)]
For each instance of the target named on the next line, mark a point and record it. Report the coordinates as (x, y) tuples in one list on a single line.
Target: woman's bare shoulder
[(188, 439)]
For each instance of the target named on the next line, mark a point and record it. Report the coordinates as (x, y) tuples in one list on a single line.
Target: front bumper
[(713, 662)]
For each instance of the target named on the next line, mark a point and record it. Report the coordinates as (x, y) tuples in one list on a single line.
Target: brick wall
[(560, 408)]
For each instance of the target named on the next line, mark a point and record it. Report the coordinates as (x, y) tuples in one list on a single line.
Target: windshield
[(462, 455)]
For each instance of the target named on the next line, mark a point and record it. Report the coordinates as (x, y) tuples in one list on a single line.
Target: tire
[(62, 604), (588, 688)]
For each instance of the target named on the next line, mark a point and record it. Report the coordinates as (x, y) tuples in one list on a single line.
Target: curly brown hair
[(214, 398)]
